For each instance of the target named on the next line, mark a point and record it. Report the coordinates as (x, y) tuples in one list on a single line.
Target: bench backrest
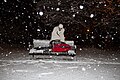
[(46, 43)]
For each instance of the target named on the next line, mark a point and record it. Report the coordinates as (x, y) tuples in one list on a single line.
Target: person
[(57, 42), (58, 34)]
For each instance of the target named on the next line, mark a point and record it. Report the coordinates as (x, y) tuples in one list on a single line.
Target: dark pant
[(53, 42)]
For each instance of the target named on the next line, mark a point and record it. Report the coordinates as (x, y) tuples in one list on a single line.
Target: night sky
[(87, 22)]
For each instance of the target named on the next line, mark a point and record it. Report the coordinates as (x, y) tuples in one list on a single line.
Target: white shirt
[(58, 34)]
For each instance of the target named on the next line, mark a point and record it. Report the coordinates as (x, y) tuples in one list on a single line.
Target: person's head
[(60, 26)]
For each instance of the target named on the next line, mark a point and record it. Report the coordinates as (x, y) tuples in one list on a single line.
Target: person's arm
[(58, 33), (62, 31), (62, 35)]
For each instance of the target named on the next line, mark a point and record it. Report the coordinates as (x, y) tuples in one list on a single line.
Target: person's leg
[(63, 42), (53, 42)]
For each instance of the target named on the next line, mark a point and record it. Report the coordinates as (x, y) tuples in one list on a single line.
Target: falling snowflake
[(83, 69), (95, 69), (57, 9), (10, 52), (16, 17), (5, 0), (6, 55), (80, 49)]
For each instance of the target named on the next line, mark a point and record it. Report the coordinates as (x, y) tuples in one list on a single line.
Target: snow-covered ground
[(91, 64)]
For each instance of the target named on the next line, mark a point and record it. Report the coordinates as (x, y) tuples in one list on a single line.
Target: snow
[(66, 70), (83, 69), (5, 0), (91, 64)]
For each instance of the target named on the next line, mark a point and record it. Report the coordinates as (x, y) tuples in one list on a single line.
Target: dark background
[(20, 21)]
